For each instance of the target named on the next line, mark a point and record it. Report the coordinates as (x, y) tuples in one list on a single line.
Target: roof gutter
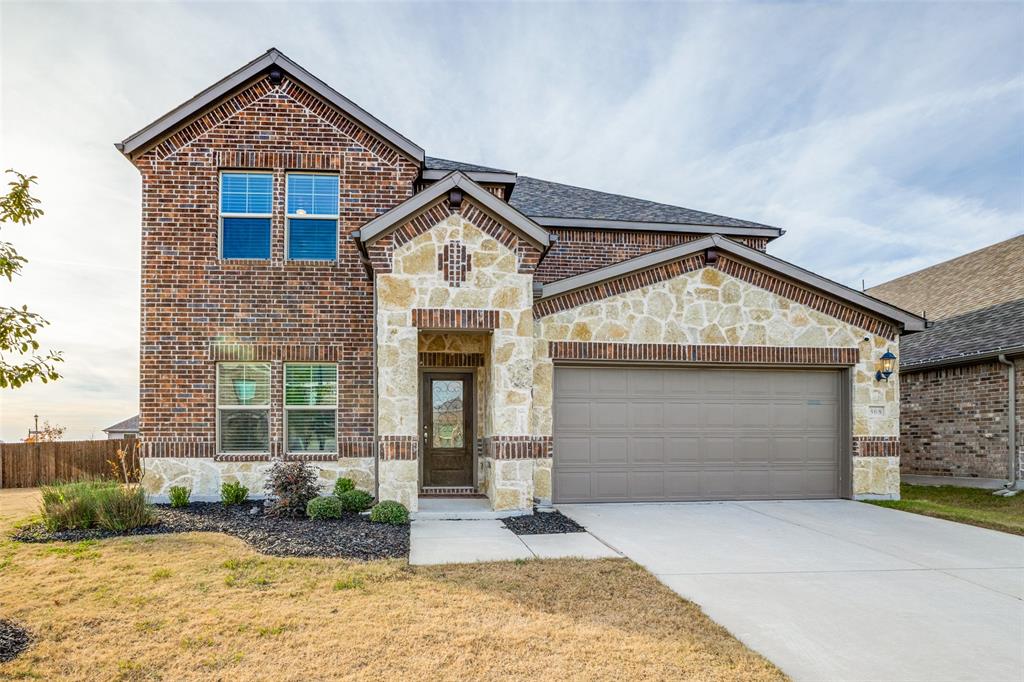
[(962, 359), (1012, 427), (653, 226)]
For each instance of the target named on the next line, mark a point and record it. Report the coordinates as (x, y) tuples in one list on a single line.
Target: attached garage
[(640, 434)]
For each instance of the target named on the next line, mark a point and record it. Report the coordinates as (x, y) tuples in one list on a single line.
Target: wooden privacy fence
[(26, 465)]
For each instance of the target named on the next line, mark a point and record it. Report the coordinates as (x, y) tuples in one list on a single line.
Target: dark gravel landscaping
[(13, 640), (351, 537), (540, 523)]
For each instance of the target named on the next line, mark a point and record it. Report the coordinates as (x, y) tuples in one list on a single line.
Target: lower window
[(310, 408), (243, 407)]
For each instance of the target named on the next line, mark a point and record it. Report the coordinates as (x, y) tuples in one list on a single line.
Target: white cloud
[(883, 137)]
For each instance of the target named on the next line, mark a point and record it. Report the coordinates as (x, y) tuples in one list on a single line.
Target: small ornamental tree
[(20, 359)]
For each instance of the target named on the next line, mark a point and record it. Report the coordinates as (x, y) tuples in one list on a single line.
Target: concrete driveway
[(836, 590)]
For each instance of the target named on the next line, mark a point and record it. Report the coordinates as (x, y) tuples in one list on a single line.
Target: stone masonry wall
[(955, 420), (707, 306), (493, 282)]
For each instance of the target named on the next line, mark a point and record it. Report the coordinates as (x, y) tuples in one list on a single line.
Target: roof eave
[(967, 359), (143, 138), (383, 223), (476, 176), (652, 226), (907, 321)]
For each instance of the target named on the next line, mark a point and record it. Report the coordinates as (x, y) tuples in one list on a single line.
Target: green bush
[(391, 512), (70, 506), (179, 495), (292, 485), (356, 500), (343, 485), (233, 493), (87, 504), (324, 508), (123, 508)]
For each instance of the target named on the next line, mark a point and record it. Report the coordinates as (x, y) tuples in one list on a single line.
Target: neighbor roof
[(970, 282), (967, 338), (271, 58), (909, 321), (129, 425)]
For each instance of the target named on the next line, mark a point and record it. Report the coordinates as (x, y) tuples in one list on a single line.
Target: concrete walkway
[(459, 542), (837, 590)]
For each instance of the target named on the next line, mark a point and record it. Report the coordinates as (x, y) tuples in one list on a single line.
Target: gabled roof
[(967, 338), (384, 223), (270, 60), (434, 163), (908, 321), (129, 425), (556, 204), (970, 282)]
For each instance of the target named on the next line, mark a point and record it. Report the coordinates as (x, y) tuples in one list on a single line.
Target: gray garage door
[(631, 434)]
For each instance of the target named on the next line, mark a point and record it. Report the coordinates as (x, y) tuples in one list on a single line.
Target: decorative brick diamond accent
[(804, 296), (454, 262), (455, 318), (441, 359), (518, 447), (631, 282), (666, 352), (399, 447), (876, 446)]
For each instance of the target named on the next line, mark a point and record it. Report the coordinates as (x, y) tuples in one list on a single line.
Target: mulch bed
[(541, 523), (351, 537), (13, 640)]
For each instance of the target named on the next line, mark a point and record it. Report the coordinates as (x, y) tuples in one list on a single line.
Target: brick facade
[(955, 420)]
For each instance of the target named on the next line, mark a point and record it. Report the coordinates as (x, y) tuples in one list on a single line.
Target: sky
[(883, 137)]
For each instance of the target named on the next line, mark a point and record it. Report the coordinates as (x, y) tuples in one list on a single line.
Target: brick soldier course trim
[(518, 447), (876, 446), (442, 359), (399, 447), (453, 318), (631, 282), (804, 296), (665, 352), (266, 352)]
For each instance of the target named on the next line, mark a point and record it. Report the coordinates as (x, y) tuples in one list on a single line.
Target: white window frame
[(221, 215), (306, 216), (309, 408), (255, 408)]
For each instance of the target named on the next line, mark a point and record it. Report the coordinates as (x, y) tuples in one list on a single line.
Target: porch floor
[(463, 507)]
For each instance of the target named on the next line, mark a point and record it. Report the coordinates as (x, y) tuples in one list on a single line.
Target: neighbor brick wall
[(580, 250), (284, 310), (954, 421)]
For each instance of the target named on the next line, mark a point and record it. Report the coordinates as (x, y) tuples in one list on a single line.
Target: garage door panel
[(695, 434)]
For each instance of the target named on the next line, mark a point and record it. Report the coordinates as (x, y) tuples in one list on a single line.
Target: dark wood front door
[(447, 429)]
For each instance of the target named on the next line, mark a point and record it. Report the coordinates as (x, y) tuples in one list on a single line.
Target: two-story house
[(315, 287)]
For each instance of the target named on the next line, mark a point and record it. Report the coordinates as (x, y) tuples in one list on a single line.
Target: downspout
[(364, 258), (552, 240), (1012, 436)]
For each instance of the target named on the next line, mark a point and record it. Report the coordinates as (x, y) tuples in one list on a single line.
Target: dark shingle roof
[(128, 425), (543, 199), (434, 163), (980, 332)]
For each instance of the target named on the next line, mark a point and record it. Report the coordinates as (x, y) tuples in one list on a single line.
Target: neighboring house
[(315, 288), (129, 428), (962, 379)]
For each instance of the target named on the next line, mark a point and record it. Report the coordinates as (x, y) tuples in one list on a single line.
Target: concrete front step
[(460, 508)]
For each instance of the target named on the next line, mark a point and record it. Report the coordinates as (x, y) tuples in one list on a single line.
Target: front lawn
[(206, 606), (967, 505)]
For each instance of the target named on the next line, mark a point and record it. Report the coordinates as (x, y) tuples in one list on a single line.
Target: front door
[(447, 429)]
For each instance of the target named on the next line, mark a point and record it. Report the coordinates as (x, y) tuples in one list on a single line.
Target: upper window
[(243, 407), (310, 407), (246, 203), (312, 207)]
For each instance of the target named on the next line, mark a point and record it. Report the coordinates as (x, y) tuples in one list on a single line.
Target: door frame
[(468, 374)]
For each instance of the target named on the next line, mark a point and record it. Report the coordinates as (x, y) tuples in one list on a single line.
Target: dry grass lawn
[(205, 606)]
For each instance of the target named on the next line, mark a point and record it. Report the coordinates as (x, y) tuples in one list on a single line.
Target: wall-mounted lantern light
[(885, 367)]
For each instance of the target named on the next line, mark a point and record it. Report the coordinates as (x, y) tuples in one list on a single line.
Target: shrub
[(179, 495), (343, 485), (292, 485), (356, 500), (233, 493), (391, 512), (123, 508), (324, 508), (70, 506)]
